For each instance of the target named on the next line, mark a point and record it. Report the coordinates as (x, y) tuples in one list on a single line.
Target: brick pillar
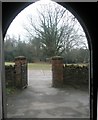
[(57, 71), (19, 62)]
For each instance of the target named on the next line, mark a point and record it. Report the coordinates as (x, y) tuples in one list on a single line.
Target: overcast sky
[(16, 27)]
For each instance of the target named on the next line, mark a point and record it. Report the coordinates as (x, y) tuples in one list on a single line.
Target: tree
[(9, 48), (14, 47), (77, 55), (57, 29)]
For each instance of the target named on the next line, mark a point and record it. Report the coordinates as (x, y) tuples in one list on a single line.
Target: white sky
[(16, 27)]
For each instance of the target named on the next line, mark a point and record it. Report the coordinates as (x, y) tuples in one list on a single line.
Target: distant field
[(35, 66), (43, 66)]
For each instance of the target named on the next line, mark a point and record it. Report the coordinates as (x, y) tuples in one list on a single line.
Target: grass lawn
[(9, 63), (39, 66)]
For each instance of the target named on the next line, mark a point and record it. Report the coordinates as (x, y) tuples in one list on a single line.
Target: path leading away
[(41, 100)]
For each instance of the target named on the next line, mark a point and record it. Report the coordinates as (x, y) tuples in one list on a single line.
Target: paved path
[(40, 100)]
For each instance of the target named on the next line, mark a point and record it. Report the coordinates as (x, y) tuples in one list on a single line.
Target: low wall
[(10, 75), (16, 76), (76, 75)]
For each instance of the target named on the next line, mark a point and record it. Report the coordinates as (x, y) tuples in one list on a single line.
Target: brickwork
[(16, 75), (20, 61), (10, 75), (68, 74), (61, 75), (57, 74), (76, 75)]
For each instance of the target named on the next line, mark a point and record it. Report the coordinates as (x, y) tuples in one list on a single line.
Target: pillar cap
[(20, 58), (57, 58)]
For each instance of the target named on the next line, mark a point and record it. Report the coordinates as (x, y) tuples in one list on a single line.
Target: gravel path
[(41, 100)]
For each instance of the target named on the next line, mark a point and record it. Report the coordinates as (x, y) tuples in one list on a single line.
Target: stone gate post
[(57, 71)]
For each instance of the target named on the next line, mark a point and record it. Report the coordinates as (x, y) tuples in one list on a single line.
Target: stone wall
[(76, 75), (10, 75)]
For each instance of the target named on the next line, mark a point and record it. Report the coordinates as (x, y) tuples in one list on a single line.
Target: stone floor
[(41, 100)]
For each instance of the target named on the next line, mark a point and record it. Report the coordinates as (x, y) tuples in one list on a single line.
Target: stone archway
[(90, 52)]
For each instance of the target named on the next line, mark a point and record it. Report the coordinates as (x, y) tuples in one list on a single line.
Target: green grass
[(9, 63), (39, 66)]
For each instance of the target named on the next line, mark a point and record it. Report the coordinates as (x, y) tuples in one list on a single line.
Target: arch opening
[(88, 38)]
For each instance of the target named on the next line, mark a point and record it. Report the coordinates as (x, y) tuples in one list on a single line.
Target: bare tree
[(57, 29)]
